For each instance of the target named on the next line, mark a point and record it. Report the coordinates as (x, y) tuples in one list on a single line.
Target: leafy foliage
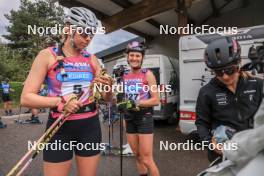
[(17, 56), (12, 65), (41, 13)]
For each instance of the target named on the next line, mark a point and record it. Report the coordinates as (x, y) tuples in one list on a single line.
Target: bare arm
[(35, 79), (154, 95)]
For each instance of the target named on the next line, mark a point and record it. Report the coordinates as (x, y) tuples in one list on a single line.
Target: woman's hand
[(105, 80), (217, 146), (72, 104), (102, 78)]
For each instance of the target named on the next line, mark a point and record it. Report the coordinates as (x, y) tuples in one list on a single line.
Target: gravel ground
[(13, 145)]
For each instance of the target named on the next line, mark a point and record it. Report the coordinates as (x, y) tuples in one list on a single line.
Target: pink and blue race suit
[(79, 73), (136, 85)]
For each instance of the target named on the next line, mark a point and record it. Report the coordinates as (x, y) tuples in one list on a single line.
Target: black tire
[(195, 136), (173, 119)]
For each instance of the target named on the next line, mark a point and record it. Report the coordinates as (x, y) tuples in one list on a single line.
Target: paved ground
[(13, 144)]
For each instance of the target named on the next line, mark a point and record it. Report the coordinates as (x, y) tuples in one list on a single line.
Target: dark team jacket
[(217, 105)]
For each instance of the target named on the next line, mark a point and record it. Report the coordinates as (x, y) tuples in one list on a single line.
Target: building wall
[(109, 66), (110, 61), (164, 44)]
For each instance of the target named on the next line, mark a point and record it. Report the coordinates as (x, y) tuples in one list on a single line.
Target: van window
[(156, 72)]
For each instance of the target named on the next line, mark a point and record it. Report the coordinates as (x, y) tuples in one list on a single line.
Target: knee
[(138, 157), (146, 160), (141, 159)]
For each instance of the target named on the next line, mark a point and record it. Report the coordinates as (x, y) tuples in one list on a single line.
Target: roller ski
[(115, 151), (109, 150), (32, 120)]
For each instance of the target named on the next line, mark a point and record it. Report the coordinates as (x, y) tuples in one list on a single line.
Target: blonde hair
[(248, 75)]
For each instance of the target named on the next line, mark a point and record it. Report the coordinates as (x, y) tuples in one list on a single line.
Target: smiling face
[(135, 59)]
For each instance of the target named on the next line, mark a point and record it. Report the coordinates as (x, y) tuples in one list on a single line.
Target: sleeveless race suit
[(136, 85), (80, 73), (136, 88), (80, 128)]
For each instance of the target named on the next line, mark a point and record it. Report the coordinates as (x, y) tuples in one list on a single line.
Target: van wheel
[(195, 136), (173, 119)]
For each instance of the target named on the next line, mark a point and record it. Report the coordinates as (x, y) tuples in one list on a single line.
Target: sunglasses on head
[(83, 32), (228, 71)]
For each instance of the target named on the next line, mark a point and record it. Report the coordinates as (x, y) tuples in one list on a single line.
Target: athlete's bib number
[(77, 89), (132, 96)]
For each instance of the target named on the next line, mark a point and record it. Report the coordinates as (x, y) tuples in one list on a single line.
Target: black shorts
[(83, 137), (139, 123), (6, 97)]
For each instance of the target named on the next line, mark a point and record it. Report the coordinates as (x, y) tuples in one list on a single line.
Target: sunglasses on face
[(228, 71), (85, 33)]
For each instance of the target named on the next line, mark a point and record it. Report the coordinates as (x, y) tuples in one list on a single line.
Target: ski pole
[(46, 137)]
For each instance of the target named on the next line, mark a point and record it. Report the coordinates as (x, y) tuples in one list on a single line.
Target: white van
[(194, 74), (165, 70)]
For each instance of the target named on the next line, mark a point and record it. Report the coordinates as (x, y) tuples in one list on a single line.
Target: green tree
[(16, 57), (11, 64), (41, 13)]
